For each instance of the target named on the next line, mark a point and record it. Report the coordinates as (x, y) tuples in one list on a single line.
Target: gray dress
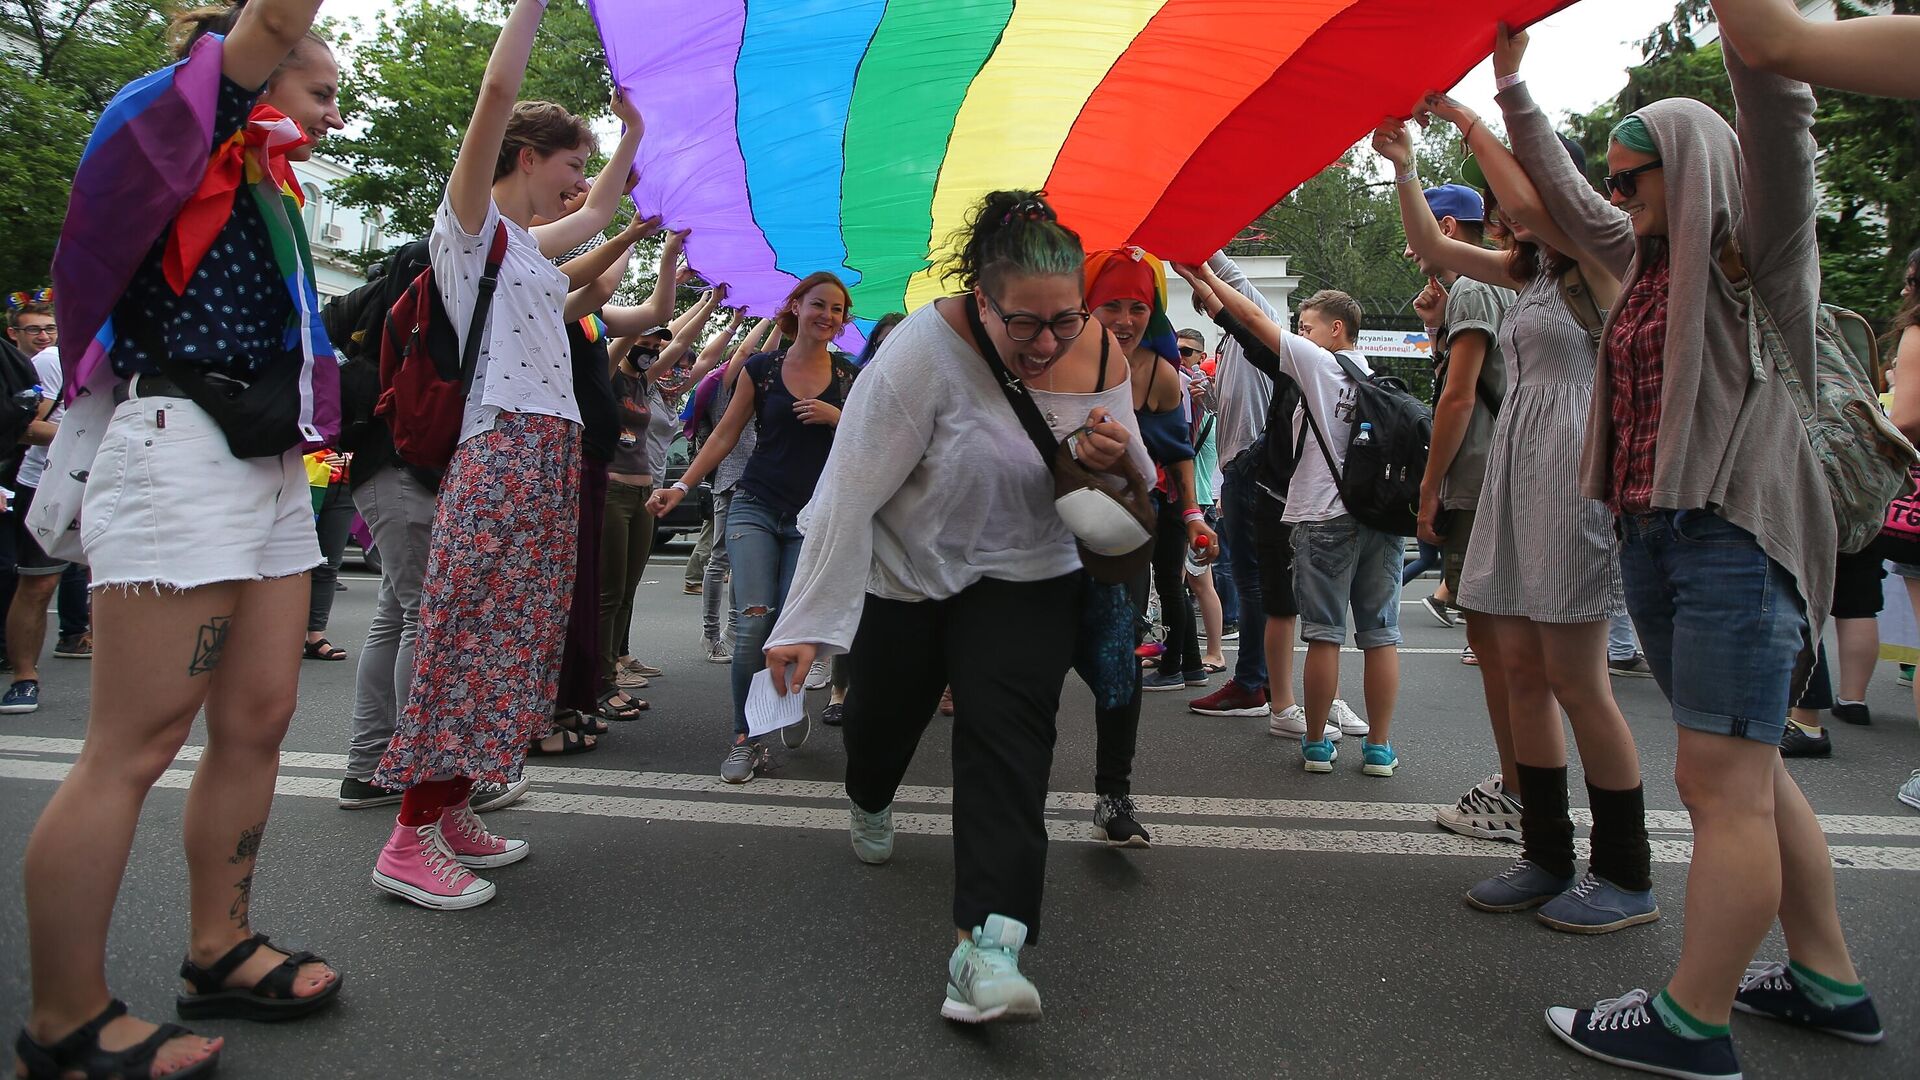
[(1540, 550)]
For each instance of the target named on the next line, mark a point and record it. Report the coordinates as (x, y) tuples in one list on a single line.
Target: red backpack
[(426, 370)]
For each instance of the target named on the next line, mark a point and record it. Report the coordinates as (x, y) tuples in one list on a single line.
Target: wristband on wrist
[(1193, 513), (681, 487), (1508, 82), (1408, 177)]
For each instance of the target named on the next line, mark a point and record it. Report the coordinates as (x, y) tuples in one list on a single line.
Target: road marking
[(768, 789)]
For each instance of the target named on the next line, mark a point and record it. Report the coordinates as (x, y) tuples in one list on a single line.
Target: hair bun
[(1031, 208)]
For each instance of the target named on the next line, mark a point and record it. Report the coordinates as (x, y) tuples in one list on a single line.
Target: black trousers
[(1005, 648), (1116, 731), (1170, 581)]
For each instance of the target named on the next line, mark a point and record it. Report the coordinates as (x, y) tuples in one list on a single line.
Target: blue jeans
[(1620, 641), (1236, 536), (1223, 583), (763, 545), (1340, 565), (1721, 623), (1428, 559)]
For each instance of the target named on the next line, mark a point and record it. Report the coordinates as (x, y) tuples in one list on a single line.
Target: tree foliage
[(64, 60), (407, 88)]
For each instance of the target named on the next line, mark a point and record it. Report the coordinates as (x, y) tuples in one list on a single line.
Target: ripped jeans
[(763, 545)]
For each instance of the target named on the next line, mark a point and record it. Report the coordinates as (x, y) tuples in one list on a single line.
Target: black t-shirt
[(593, 391), (789, 456)]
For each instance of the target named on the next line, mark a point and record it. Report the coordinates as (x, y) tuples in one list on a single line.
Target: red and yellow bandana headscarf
[(1129, 273)]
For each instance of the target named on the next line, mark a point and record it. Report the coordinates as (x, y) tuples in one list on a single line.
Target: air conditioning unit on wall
[(332, 233)]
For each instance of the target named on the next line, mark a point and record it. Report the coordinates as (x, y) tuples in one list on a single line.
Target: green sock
[(1682, 1023), (1826, 992)]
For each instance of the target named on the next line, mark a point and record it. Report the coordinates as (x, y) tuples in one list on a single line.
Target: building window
[(312, 211)]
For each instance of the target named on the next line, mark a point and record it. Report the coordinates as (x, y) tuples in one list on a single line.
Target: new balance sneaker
[(1909, 792), (361, 794), (473, 845), (417, 865), (1438, 609), (1773, 990), (1113, 823), (743, 760), (1598, 906), (1850, 712), (794, 735), (1155, 681), (1291, 723), (717, 652), (1799, 742), (488, 795), (1318, 757), (1350, 722), (1625, 1031), (1378, 759), (1231, 700), (1633, 667), (983, 976), (22, 697), (1487, 811), (820, 675), (872, 834), (1520, 887)]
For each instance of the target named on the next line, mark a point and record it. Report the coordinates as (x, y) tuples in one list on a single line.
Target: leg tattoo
[(238, 912), (249, 844), (206, 649)]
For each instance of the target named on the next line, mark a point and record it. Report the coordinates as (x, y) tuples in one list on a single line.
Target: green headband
[(1632, 133)]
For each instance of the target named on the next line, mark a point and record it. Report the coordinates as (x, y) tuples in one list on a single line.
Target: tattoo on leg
[(238, 912), (207, 647), (249, 844)]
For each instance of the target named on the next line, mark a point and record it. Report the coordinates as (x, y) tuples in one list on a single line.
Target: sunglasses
[(1190, 352), (1024, 326), (1626, 182)]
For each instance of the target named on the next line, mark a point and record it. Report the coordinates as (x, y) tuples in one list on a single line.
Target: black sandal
[(584, 723), (81, 1052), (324, 650), (270, 999), (571, 742), (630, 711)]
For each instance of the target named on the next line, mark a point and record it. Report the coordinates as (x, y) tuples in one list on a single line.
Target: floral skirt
[(493, 611)]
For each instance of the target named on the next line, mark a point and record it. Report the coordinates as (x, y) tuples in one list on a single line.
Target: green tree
[(407, 88), (65, 60)]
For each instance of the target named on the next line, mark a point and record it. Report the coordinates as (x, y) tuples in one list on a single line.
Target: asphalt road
[(670, 925)]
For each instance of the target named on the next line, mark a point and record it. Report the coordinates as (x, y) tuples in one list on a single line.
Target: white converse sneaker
[(1291, 723)]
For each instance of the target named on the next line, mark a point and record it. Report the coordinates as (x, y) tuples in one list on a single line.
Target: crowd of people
[(1041, 449)]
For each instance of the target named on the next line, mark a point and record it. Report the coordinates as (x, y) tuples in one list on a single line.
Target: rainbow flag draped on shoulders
[(147, 174)]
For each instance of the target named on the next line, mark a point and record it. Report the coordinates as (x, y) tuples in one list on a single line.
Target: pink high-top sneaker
[(473, 845), (418, 865)]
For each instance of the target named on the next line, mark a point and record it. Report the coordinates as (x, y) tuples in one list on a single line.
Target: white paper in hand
[(768, 710)]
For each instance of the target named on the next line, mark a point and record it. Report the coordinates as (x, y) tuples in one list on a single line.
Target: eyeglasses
[(1024, 326), (48, 330), (1190, 352), (1625, 182)]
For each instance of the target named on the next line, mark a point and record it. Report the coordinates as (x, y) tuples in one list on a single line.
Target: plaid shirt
[(1636, 354)]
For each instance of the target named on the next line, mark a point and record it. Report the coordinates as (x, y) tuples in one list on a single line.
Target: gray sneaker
[(490, 796), (719, 652), (794, 735), (1909, 792), (1598, 906), (1522, 886), (872, 834), (743, 761)]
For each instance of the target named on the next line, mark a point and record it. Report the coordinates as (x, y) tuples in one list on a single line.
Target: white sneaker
[(1349, 721), (1909, 792), (1291, 723), (718, 652), (1487, 811), (820, 675)]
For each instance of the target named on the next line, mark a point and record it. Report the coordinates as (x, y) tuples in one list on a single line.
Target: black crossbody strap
[(1022, 402), (470, 354), (1353, 372)]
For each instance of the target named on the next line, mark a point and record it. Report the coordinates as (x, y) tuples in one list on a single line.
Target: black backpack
[(1386, 452), (18, 406)]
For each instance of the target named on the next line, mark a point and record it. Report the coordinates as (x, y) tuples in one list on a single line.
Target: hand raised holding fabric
[(1509, 46), (1393, 140), (625, 111)]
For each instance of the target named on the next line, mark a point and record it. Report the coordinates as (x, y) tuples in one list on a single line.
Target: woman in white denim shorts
[(199, 557)]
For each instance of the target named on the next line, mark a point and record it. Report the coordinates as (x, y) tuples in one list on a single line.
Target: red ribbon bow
[(255, 152)]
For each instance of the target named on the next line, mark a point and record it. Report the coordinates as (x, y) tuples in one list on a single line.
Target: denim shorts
[(1722, 625), (1340, 564)]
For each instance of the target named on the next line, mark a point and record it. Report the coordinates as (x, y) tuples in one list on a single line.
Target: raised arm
[(592, 296), (1393, 140), (267, 31), (1264, 327), (747, 347), (588, 268), (686, 328), (1588, 222), (657, 308), (559, 237), (1777, 242), (1874, 54), (470, 189)]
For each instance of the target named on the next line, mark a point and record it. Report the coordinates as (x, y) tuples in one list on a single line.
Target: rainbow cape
[(147, 162)]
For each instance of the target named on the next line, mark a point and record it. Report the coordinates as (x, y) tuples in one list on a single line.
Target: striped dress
[(1540, 550)]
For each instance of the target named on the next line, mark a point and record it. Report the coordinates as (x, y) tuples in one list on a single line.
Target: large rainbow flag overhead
[(852, 135)]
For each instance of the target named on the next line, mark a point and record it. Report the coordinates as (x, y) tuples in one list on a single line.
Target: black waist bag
[(260, 418)]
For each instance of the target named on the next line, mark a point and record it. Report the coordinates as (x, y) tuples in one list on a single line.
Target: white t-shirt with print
[(46, 364), (525, 365), (1327, 390)]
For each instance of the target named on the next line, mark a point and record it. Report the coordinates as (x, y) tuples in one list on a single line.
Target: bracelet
[(1508, 82), (1408, 177), (1193, 513), (681, 487), (1467, 135)]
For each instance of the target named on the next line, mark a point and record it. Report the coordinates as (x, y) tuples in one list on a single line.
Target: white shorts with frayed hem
[(167, 504)]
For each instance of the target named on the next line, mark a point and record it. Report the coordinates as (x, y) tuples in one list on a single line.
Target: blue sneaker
[(1318, 756), (1771, 990), (1625, 1031), (1378, 759), (983, 976), (1523, 885), (22, 697), (872, 834), (1157, 681), (1598, 906)]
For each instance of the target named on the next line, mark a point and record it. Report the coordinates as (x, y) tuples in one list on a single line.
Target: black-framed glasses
[(1024, 326), (1190, 352), (49, 328), (1626, 182)]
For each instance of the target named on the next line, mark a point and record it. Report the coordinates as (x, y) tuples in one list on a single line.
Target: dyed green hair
[(1013, 234), (1632, 133)]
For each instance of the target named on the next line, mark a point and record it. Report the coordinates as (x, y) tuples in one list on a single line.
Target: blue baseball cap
[(1457, 201)]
